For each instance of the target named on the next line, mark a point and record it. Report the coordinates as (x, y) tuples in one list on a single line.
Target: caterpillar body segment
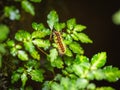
[(58, 40)]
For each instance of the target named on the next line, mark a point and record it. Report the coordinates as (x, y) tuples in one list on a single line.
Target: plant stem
[(42, 51)]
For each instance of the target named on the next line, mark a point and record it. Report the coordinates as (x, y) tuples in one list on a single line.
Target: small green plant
[(56, 49)]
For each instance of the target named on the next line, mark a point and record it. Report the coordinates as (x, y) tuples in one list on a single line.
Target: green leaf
[(42, 43), (37, 75), (13, 51), (98, 74), (31, 49), (24, 79), (85, 65), (57, 63), (68, 39), (22, 35), (2, 49), (90, 75), (4, 30), (76, 48), (41, 34), (22, 55), (91, 86), (116, 17), (68, 52), (29, 88), (29, 46), (65, 82), (38, 26), (35, 54), (53, 54), (11, 43), (20, 70), (46, 85), (18, 46), (68, 60), (58, 77), (52, 18), (112, 73), (32, 64), (105, 88), (15, 77), (56, 86), (98, 60), (78, 70), (0, 61), (36, 1), (81, 83), (28, 7), (73, 76), (69, 69), (71, 23), (81, 59), (83, 38), (11, 12), (74, 37), (79, 28), (59, 26)]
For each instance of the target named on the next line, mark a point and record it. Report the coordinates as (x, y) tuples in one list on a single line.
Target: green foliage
[(15, 77), (4, 30), (71, 23), (2, 49), (36, 1), (52, 19), (98, 60), (66, 83), (76, 48), (105, 88), (24, 78), (80, 72), (112, 73), (83, 38), (40, 32), (12, 13), (0, 60), (53, 54), (37, 55), (28, 7), (37, 75), (22, 35), (41, 43), (116, 17), (22, 55), (59, 26)]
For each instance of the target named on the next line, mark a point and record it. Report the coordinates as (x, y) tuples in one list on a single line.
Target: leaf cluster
[(81, 71)]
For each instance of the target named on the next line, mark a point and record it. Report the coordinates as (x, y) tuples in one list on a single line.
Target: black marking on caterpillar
[(58, 40)]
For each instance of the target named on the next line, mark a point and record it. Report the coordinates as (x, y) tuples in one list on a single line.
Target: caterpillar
[(58, 40)]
